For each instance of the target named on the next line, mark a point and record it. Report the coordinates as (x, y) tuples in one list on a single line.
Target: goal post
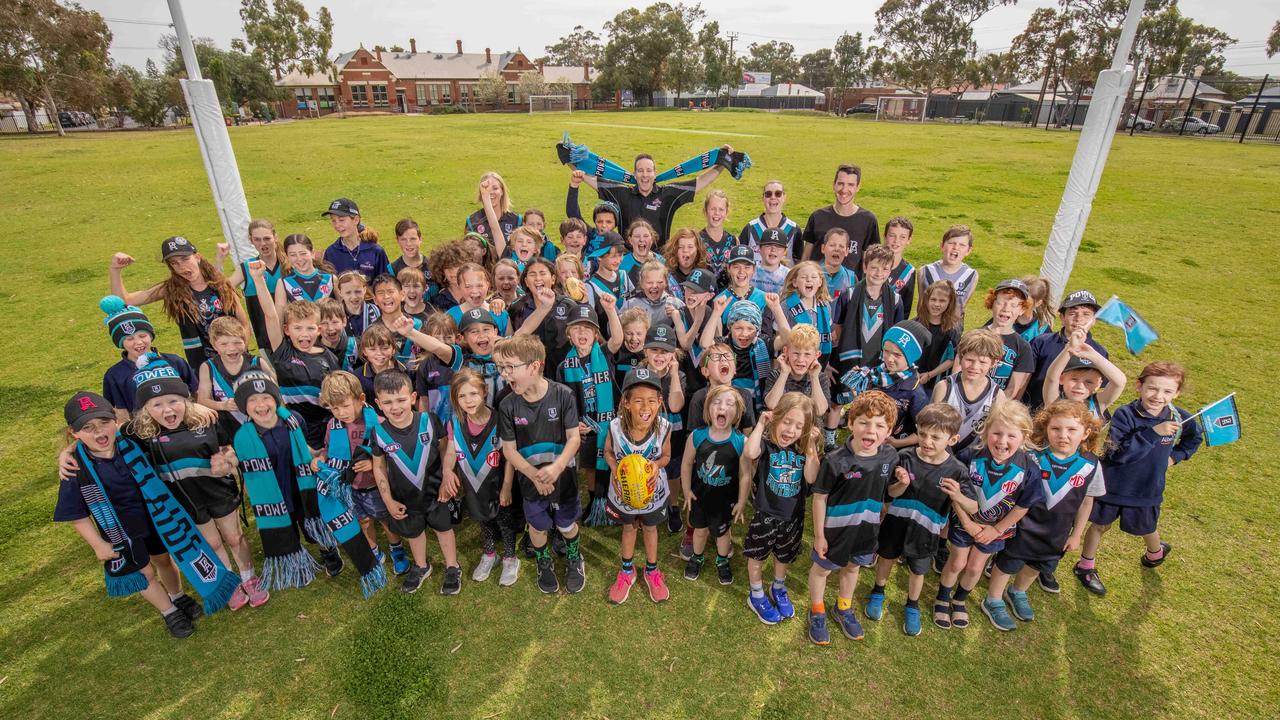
[(895, 107), (550, 103)]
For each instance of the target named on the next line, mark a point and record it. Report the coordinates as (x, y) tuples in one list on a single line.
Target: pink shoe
[(239, 598), (257, 596), (658, 591), (622, 587)]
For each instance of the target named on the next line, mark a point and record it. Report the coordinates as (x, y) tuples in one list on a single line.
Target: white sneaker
[(510, 571), (484, 567)]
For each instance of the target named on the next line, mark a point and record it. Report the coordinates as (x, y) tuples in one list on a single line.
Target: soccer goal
[(550, 103), (891, 107)]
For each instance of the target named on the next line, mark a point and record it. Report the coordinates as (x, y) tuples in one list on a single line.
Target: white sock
[(172, 609), (175, 596), (246, 575)]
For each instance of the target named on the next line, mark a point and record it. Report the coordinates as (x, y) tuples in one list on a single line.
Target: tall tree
[(1273, 40), (285, 36), (154, 93), (776, 58), (641, 42), (815, 69), (848, 65), (684, 69), (238, 77), (578, 48), (51, 52), (720, 69)]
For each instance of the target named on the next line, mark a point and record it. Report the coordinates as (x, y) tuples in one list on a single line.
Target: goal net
[(550, 103), (890, 107)]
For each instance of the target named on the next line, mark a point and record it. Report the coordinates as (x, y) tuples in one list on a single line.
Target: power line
[(126, 21)]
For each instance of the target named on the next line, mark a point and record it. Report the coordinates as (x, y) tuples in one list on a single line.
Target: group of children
[(490, 379)]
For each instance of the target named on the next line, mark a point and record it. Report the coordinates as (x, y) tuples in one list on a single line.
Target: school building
[(419, 82)]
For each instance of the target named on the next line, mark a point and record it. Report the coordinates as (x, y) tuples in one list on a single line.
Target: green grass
[(1180, 230)]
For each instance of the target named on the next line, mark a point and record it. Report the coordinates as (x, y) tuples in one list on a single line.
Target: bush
[(449, 110)]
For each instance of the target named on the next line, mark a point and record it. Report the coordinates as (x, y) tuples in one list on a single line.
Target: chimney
[(459, 47), (586, 71), (378, 53), (488, 56), (413, 46)]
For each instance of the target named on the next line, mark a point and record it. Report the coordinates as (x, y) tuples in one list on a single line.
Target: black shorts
[(713, 515), (891, 549), (773, 535), (653, 518), (416, 521), (1012, 565), (207, 498), (1135, 520)]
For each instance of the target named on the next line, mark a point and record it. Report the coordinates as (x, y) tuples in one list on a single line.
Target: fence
[(763, 102)]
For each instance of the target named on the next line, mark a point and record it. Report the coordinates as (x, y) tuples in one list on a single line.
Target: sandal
[(942, 614), (959, 614)]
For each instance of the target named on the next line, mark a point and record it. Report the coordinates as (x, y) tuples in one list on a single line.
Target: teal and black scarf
[(334, 498), (194, 556), (594, 377), (580, 157), (819, 317)]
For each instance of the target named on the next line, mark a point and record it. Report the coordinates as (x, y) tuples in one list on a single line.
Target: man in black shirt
[(844, 213)]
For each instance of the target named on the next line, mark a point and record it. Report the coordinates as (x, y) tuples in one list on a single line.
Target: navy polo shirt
[(368, 258), (120, 390), (121, 489)]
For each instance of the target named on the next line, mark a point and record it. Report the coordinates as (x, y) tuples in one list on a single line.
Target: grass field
[(1181, 230)]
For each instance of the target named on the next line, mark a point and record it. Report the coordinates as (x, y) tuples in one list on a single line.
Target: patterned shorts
[(773, 535)]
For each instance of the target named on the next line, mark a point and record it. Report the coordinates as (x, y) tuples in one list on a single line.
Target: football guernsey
[(649, 448), (1064, 483), (916, 518), (538, 430), (1000, 487), (779, 484), (856, 488), (413, 459)]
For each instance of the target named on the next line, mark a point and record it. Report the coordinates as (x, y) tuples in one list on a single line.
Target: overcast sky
[(503, 25)]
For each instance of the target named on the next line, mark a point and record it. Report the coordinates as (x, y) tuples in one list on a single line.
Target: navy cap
[(1015, 285), (772, 236), (176, 246), (660, 336), (1075, 362), (642, 376), (611, 239), (476, 316), (741, 253), (1080, 297), (583, 314), (342, 207), (700, 280)]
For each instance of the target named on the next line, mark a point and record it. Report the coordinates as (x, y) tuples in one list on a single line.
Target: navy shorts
[(368, 504), (962, 539), (542, 515), (856, 561), (1012, 565), (893, 551), (1135, 520)]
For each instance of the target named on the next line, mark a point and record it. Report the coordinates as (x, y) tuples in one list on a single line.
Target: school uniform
[(1137, 463), (368, 258)]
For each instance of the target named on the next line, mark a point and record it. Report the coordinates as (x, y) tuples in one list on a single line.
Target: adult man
[(844, 213), (1077, 312)]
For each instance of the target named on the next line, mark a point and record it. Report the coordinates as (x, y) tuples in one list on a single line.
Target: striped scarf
[(582, 158), (819, 317), (596, 388), (334, 500)]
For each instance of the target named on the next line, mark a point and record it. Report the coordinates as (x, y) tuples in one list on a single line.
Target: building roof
[(792, 89), (1177, 87), (1033, 88), (750, 89), (297, 79), (568, 74), (452, 66)]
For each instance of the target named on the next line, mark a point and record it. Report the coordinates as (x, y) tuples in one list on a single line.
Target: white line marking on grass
[(663, 129)]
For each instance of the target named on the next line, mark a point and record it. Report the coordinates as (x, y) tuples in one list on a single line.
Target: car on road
[(1189, 125), (1141, 123), (861, 108)]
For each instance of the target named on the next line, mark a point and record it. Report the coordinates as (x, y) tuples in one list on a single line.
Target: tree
[(153, 94), (815, 69), (238, 77), (51, 52), (684, 69), (529, 83), (1174, 44), (285, 37), (578, 48), (492, 89), (848, 65), (719, 68), (641, 43), (776, 58), (1273, 41)]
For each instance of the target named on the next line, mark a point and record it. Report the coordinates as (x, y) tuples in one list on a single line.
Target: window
[(511, 92), (380, 95), (326, 97), (445, 92), (360, 95), (420, 89), (301, 96), (464, 93)]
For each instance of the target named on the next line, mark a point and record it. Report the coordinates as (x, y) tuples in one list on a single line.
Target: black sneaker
[(725, 573), (1090, 580), (940, 557), (693, 568), (415, 577), (547, 581), (557, 543), (179, 624), (452, 581), (332, 561), (526, 547), (575, 575), (1165, 549), (189, 607), (1049, 583), (674, 522)]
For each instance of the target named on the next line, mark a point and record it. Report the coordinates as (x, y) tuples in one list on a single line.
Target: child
[(262, 235), (1078, 312), (477, 452), (774, 197), (641, 237), (640, 429), (635, 326), (1005, 301), (913, 525), (605, 216), (538, 424), (414, 284), (835, 248), (218, 377), (388, 294), (588, 370), (407, 451), (347, 451), (896, 377), (848, 499), (1037, 317), (1070, 479), (770, 273), (971, 390), (1147, 437), (475, 284), (304, 281), (608, 278), (717, 366), (999, 489), (356, 247), (685, 253), (783, 446), (523, 246), (118, 506), (651, 294), (353, 290), (409, 238), (799, 370), (133, 334), (897, 236), (433, 375), (739, 271), (752, 360), (573, 236), (506, 281), (957, 243), (1078, 374), (714, 239), (536, 221), (479, 331), (333, 333), (710, 464), (544, 310), (663, 358), (444, 264), (939, 313), (862, 315), (805, 300), (377, 355)]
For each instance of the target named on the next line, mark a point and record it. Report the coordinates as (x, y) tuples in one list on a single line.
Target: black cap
[(1080, 297), (642, 376), (255, 382), (583, 314), (1015, 285), (611, 239), (85, 406), (476, 316), (176, 246), (741, 253), (772, 236), (1075, 362), (661, 336), (343, 207), (700, 280)]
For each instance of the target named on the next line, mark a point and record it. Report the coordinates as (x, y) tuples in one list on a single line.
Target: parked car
[(1192, 125), (861, 108), (1141, 123)]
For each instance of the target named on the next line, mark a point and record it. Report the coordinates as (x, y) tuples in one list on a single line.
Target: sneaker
[(998, 613), (911, 621), (1049, 583), (849, 624), (257, 596), (686, 545), (414, 578), (510, 571), (575, 575), (484, 567), (940, 557), (192, 609), (765, 610), (621, 588), (782, 601), (547, 581), (452, 580), (1165, 549), (378, 557), (239, 598), (399, 560), (332, 560), (1090, 580), (675, 523), (557, 543), (818, 629), (724, 573), (693, 568), (658, 591), (179, 624), (875, 606), (1019, 605)]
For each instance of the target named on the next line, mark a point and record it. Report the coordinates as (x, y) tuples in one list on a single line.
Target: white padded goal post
[(892, 107), (550, 103)]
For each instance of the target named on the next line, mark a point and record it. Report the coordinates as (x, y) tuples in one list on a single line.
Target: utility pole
[(733, 38)]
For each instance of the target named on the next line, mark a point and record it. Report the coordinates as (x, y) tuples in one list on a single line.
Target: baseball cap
[(772, 236), (1015, 285), (642, 376), (85, 406), (343, 207), (700, 280), (176, 246), (476, 316), (610, 240), (660, 336), (1080, 297), (741, 253), (1075, 362), (583, 314)]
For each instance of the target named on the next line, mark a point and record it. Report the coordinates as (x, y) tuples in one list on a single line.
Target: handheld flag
[(1220, 421), (1138, 333)]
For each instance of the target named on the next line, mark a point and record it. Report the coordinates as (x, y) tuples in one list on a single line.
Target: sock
[(829, 436), (571, 548), (650, 566), (944, 593), (491, 554), (1085, 563), (172, 609), (757, 590), (543, 553), (246, 575), (395, 546), (175, 596), (878, 589), (1155, 555), (700, 557), (818, 608), (722, 559), (962, 594), (843, 603), (780, 583), (913, 604), (627, 566)]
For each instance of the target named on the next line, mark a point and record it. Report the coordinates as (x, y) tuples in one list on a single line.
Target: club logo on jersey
[(520, 421), (198, 432), (553, 414), (561, 312), (884, 469), (1077, 481)]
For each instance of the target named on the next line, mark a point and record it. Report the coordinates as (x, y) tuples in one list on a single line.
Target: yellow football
[(635, 480)]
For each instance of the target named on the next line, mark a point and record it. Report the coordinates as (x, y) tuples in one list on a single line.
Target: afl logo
[(393, 447), (1008, 486)]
